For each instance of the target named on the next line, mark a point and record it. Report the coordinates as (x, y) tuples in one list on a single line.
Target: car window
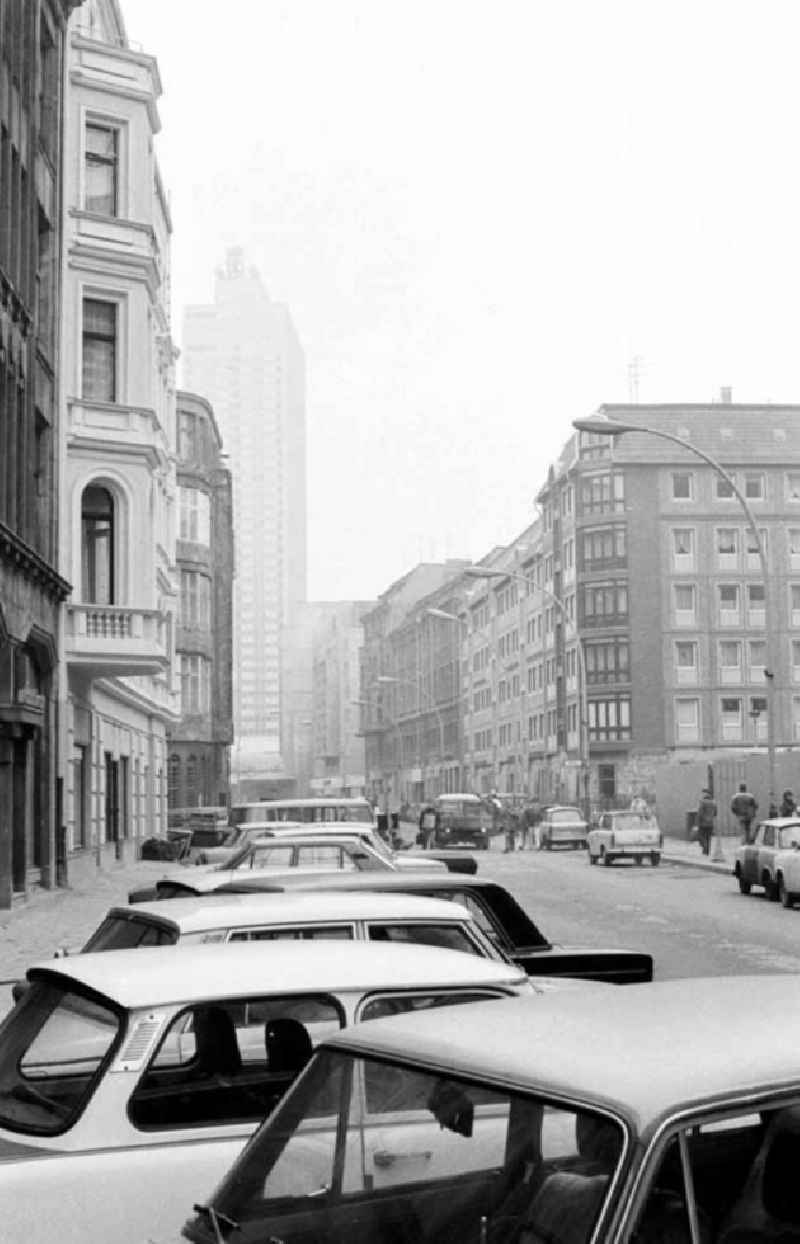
[(380, 1006), (769, 836), (322, 855), (448, 936), (222, 1062), (272, 857), (563, 815), (54, 1045), (790, 837), (406, 1130), (119, 933), (319, 932)]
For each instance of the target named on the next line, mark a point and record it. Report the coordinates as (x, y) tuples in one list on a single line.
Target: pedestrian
[(640, 806), (428, 824), (706, 816), (788, 804), (530, 819), (510, 827), (744, 808)]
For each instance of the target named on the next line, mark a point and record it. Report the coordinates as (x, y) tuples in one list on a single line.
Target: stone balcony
[(113, 640), (109, 427)]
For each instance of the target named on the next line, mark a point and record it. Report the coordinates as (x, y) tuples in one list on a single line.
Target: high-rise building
[(117, 495), (199, 744), (243, 353), (32, 43)]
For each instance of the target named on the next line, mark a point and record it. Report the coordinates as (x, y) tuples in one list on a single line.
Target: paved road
[(694, 923)]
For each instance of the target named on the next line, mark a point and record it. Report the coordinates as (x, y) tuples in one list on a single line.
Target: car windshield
[(631, 820), (461, 810), (375, 1149), (560, 816), (52, 1048), (120, 933)]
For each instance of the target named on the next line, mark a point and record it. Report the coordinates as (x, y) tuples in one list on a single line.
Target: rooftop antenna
[(634, 372)]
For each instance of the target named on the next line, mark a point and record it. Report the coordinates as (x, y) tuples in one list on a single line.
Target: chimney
[(726, 395)]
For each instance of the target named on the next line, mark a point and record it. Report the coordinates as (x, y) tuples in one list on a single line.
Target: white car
[(235, 918), (625, 835), (770, 860), (130, 1081)]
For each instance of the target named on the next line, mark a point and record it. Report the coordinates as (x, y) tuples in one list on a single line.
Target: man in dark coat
[(744, 808), (706, 816)]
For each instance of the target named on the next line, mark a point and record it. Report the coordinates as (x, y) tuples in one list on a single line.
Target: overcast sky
[(479, 214)]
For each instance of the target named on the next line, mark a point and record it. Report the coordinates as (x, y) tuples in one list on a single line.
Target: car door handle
[(384, 1158)]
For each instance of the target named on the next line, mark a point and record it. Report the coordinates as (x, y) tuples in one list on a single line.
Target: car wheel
[(787, 899), (744, 886), (605, 857), (655, 859), (770, 889)]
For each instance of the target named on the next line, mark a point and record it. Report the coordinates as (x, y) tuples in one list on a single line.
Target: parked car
[(461, 821), (316, 811), (368, 916), (561, 827), (625, 836), (439, 1132), (304, 851), (496, 911), (761, 861), (130, 1081)]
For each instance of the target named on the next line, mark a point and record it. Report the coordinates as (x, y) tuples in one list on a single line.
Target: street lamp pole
[(480, 572), (613, 428)]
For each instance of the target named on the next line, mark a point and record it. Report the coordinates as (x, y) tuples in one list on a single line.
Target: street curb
[(725, 870)]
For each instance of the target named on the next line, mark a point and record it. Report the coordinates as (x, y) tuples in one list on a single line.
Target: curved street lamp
[(482, 572), (612, 428)]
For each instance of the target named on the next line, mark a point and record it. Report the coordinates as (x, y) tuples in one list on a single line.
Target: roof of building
[(160, 976), (192, 915), (652, 1048)]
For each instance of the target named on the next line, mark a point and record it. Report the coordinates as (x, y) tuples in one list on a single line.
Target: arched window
[(97, 545)]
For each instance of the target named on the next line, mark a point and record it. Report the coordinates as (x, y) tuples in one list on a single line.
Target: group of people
[(744, 807)]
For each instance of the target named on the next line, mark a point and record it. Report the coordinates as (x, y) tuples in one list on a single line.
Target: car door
[(765, 856)]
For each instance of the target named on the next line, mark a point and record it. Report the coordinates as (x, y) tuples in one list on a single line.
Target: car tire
[(770, 888), (592, 858), (605, 857), (655, 859), (744, 886), (787, 899)]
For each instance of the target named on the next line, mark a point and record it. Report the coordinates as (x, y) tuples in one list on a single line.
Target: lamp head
[(603, 427)]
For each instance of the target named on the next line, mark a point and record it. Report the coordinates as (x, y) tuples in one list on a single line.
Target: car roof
[(781, 822), (321, 802), (195, 914), (461, 798), (277, 834), (570, 1043), (160, 976), (406, 879)]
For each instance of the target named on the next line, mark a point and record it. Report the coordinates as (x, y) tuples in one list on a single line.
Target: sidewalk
[(47, 919), (679, 851)]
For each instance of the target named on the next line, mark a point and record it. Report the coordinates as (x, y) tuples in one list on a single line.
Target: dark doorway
[(21, 814), (112, 799)]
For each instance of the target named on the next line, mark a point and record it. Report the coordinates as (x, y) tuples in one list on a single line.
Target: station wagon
[(129, 1081)]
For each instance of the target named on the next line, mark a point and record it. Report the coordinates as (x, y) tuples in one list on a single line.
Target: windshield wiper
[(215, 1218)]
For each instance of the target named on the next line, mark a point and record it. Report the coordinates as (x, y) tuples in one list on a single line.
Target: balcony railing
[(116, 640)]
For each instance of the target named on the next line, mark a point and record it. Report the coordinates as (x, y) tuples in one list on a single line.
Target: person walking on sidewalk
[(788, 805), (744, 808), (706, 817)]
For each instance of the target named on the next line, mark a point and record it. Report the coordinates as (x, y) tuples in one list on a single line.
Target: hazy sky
[(479, 213)]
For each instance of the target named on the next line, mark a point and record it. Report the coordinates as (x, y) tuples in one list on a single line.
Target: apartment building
[(337, 745), (117, 497), (411, 714), (32, 49), (199, 743)]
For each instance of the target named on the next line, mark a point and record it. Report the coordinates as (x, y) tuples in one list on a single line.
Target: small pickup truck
[(625, 836)]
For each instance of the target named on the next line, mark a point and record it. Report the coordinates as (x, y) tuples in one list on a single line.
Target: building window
[(751, 547), (682, 486), (687, 721), (796, 718), (97, 546), (684, 595), (686, 661), (730, 661), (756, 604), (605, 604), (80, 795), (795, 599), (102, 169), (195, 599), (723, 491), (794, 548), (607, 662), (195, 684), (731, 718), (607, 781), (187, 437), (793, 486), (605, 547), (99, 350), (174, 780), (754, 487), (602, 494), (727, 548), (610, 719), (758, 716), (195, 512), (796, 660), (728, 604), (757, 659), (683, 548)]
